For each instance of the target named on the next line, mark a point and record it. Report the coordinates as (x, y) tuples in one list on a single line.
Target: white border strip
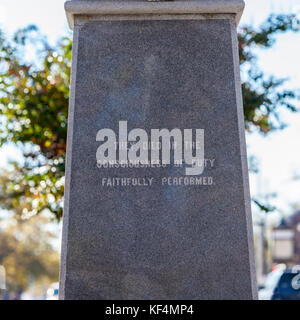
[(77, 7)]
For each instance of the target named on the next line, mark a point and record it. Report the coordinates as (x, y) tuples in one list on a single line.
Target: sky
[(278, 154)]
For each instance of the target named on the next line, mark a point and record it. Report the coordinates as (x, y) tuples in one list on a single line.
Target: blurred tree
[(26, 252), (264, 96), (33, 114), (34, 105)]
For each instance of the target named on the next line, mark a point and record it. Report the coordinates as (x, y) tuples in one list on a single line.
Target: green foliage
[(34, 111), (265, 208), (264, 96), (34, 106)]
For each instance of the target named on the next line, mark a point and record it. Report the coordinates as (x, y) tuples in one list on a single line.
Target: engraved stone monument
[(157, 201)]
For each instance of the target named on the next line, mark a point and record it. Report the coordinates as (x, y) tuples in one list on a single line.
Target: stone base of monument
[(166, 223)]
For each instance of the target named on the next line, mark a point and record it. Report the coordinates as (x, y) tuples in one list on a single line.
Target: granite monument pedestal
[(162, 80)]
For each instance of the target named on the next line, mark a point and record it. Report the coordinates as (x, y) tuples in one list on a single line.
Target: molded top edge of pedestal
[(144, 7)]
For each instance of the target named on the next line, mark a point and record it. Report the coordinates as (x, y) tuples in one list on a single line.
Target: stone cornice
[(100, 8)]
